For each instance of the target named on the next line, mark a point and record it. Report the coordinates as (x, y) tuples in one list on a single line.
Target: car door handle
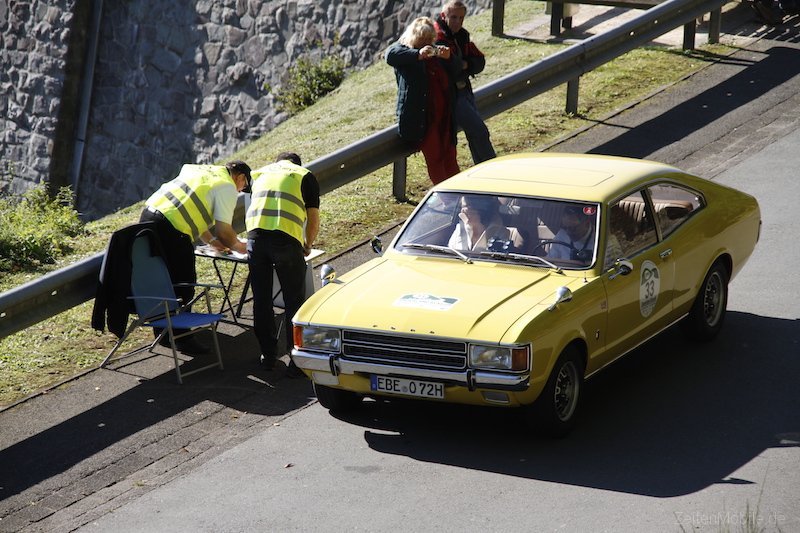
[(666, 253)]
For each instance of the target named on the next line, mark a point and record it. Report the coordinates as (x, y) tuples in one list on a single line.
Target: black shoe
[(293, 371), (267, 361)]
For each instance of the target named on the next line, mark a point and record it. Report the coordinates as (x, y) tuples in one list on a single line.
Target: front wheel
[(708, 310), (555, 409), (336, 400)]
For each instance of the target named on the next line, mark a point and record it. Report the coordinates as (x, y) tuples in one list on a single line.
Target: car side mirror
[(327, 274), (563, 294), (377, 245)]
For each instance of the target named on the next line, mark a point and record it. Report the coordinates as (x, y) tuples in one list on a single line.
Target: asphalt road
[(675, 437)]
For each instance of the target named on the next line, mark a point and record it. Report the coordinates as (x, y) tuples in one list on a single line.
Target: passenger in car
[(480, 223), (577, 234)]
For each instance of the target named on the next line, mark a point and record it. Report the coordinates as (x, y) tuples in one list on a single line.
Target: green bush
[(36, 228), (308, 82)]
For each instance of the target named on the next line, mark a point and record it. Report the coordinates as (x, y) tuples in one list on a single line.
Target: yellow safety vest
[(277, 199), (184, 201)]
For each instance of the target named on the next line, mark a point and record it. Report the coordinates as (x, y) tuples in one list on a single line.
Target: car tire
[(555, 409), (337, 400), (707, 314)]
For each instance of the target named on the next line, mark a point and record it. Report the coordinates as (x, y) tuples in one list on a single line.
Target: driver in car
[(575, 239), (480, 224)]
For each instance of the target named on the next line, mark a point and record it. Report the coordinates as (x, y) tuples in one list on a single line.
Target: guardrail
[(63, 289), (557, 18)]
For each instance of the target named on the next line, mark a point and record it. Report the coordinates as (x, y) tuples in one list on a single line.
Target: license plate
[(407, 387)]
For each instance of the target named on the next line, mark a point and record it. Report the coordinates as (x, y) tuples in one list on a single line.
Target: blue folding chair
[(157, 307)]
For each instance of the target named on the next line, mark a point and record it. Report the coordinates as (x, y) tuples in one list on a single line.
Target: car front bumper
[(470, 379)]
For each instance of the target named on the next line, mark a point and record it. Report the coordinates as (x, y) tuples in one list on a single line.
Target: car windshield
[(477, 226)]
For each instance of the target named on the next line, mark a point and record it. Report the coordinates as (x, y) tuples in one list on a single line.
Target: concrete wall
[(174, 82)]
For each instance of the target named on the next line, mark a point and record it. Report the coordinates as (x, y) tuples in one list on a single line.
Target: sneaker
[(293, 371), (267, 361)]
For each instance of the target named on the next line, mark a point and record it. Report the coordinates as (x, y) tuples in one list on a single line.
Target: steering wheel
[(544, 242)]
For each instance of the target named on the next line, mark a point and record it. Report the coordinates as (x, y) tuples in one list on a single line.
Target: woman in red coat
[(425, 97)]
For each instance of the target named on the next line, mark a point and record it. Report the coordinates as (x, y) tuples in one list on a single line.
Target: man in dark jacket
[(450, 32)]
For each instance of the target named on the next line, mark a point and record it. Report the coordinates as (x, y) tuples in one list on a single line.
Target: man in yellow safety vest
[(282, 223), (185, 209)]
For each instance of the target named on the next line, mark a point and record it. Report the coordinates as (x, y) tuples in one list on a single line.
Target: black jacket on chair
[(111, 304)]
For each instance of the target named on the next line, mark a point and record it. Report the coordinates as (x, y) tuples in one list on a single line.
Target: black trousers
[(275, 251), (178, 250)]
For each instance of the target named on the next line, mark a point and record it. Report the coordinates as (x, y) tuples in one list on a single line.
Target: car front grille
[(420, 352)]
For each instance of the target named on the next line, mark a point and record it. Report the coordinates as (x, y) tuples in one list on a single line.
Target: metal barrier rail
[(63, 289)]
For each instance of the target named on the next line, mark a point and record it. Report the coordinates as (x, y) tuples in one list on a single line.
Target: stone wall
[(174, 81), (33, 58)]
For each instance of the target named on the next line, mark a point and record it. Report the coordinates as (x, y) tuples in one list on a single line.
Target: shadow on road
[(155, 409), (669, 419), (693, 115)]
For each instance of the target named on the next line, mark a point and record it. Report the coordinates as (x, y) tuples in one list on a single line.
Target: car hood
[(442, 297)]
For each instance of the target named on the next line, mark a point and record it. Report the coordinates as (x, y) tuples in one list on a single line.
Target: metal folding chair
[(157, 307)]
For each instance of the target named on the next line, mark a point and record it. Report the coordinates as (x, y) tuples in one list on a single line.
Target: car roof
[(587, 177)]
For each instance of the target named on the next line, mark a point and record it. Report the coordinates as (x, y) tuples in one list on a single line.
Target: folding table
[(236, 259)]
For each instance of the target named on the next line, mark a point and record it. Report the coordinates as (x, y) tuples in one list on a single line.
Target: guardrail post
[(399, 173), (572, 96), (498, 17), (714, 23), (689, 30)]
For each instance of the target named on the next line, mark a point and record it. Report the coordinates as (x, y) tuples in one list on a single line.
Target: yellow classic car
[(517, 279)]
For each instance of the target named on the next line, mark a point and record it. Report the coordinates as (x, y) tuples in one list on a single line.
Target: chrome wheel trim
[(712, 299), (565, 396)]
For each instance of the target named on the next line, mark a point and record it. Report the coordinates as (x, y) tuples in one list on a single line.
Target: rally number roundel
[(649, 285)]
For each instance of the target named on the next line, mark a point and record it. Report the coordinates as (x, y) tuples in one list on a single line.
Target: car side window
[(673, 205), (630, 228)]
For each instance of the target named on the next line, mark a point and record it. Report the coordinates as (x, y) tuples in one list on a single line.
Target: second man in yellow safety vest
[(185, 209), (282, 223)]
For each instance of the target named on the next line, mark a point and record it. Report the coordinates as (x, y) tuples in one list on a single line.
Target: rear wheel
[(555, 409), (336, 400), (708, 311)]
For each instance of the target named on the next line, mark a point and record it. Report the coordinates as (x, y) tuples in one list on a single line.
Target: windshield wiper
[(521, 258), (437, 248)]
